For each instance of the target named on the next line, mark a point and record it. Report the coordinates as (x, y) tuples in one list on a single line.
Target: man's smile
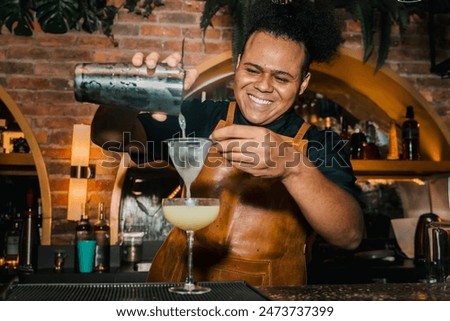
[(259, 100)]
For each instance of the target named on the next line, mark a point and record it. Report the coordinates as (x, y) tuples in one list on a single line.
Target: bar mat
[(220, 291)]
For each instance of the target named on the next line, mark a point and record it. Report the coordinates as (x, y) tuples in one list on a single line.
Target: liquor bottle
[(393, 142), (102, 237), (84, 228), (30, 237), (345, 135), (39, 218), (370, 148), (410, 136), (327, 124), (12, 244), (357, 144), (83, 231)]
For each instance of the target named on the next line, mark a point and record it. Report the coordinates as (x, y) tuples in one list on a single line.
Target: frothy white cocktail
[(191, 217)]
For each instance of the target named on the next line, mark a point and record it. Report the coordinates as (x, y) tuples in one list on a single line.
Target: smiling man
[(280, 181)]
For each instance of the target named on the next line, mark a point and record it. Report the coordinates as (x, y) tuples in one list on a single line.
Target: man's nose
[(264, 83)]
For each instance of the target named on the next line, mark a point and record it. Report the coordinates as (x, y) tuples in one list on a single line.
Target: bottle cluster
[(366, 139), (20, 235), (100, 233)]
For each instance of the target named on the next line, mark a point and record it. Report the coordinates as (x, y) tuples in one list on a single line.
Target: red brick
[(95, 41), (161, 31), (111, 56), (56, 152), (55, 40), (141, 44), (125, 29), (27, 82), (15, 67), (60, 199), (125, 16), (60, 169), (179, 18), (193, 6), (217, 48)]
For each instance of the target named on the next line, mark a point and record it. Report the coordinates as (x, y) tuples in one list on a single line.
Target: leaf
[(365, 14), (385, 38), (403, 20), (210, 9), (17, 17), (57, 16), (130, 5), (88, 11), (107, 19)]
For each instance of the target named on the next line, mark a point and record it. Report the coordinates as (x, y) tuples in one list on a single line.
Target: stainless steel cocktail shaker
[(123, 85)]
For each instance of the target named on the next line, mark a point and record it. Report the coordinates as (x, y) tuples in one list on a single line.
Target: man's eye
[(252, 71), (281, 79)]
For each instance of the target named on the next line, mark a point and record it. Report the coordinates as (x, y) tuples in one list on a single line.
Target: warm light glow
[(81, 143), (77, 197)]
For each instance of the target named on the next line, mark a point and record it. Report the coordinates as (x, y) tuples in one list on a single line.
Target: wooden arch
[(38, 161)]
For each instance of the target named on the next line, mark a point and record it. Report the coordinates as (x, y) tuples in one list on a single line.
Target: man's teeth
[(260, 101)]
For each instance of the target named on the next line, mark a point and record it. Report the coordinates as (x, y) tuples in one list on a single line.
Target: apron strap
[(298, 140), (230, 116), (301, 132)]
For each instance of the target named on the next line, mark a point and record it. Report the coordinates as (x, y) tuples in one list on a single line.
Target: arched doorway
[(380, 96), (37, 159)]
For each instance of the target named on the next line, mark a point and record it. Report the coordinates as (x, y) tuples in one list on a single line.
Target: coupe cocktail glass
[(188, 155), (190, 214)]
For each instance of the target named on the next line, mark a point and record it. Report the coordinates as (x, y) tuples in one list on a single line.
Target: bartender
[(280, 181)]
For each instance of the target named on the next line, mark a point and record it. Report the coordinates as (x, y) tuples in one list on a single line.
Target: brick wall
[(37, 72)]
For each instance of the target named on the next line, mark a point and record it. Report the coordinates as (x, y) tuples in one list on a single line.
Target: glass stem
[(188, 191), (190, 241)]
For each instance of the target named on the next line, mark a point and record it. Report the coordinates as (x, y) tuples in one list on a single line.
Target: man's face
[(268, 77)]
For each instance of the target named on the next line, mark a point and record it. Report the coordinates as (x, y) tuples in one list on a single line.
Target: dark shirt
[(325, 149)]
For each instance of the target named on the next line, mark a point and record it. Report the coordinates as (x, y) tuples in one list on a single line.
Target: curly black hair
[(300, 21)]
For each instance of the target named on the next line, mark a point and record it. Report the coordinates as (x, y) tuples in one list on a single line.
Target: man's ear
[(305, 83), (238, 61)]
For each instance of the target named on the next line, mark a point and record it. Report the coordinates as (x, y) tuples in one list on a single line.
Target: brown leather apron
[(260, 235)]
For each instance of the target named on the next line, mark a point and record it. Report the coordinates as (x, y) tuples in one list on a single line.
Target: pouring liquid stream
[(188, 173), (182, 123)]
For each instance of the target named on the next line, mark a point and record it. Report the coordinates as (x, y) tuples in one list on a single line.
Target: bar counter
[(360, 292), (109, 287)]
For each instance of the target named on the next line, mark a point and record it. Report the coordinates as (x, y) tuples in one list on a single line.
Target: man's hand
[(257, 150), (173, 61)]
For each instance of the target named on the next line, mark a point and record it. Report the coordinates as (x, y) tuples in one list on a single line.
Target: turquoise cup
[(86, 255)]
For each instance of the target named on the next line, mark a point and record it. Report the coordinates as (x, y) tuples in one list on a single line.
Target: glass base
[(189, 288)]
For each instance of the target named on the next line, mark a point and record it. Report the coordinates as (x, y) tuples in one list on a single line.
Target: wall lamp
[(80, 170)]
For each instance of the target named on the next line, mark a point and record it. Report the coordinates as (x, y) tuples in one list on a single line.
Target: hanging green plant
[(57, 16), (378, 16), (375, 17), (60, 16), (17, 16)]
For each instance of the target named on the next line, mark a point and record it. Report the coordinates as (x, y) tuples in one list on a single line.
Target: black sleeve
[(328, 153), (201, 119)]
